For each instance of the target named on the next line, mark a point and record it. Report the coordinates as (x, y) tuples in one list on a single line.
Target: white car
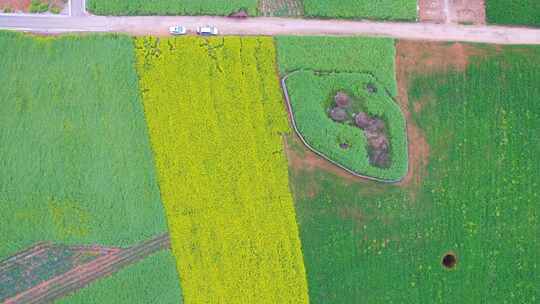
[(177, 30), (207, 30)]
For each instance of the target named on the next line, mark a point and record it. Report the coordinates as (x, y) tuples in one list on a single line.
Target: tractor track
[(82, 275)]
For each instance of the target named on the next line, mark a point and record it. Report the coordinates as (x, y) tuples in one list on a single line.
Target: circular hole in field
[(344, 146), (449, 260)]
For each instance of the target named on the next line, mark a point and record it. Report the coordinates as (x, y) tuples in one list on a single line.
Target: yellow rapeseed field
[(216, 116)]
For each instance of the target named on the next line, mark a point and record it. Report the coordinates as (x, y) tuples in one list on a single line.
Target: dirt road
[(82, 275), (274, 26)]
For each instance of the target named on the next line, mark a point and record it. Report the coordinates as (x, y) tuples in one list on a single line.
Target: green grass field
[(516, 12), (170, 7), (75, 155), (334, 54), (371, 243), (362, 9)]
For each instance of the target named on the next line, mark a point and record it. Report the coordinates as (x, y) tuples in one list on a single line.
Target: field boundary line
[(335, 163)]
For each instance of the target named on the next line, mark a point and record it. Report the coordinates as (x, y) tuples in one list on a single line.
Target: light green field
[(336, 54), (75, 155), (170, 7), (362, 9)]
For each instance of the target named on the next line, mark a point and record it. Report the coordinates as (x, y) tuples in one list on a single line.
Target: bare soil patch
[(417, 58), (421, 57), (309, 161), (23, 6), (452, 11), (467, 11), (15, 5), (431, 11)]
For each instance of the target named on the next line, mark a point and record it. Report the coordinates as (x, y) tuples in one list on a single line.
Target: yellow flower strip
[(215, 115)]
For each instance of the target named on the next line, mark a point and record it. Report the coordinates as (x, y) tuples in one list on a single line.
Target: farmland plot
[(216, 135), (75, 156), (333, 54), (517, 12), (171, 7), (362, 9), (476, 195)]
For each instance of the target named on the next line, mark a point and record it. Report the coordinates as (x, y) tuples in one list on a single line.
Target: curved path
[(157, 25)]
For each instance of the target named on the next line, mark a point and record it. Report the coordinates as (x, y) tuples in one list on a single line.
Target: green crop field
[(152, 280), (516, 12), (478, 198), (75, 155), (334, 54), (170, 7), (362, 9)]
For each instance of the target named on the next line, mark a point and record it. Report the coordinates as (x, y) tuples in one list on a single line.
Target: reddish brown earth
[(24, 5), (309, 161), (417, 58), (110, 261), (15, 5), (467, 11), (431, 11), (452, 11)]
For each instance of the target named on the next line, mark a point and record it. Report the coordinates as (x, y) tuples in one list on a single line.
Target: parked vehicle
[(207, 30), (177, 30)]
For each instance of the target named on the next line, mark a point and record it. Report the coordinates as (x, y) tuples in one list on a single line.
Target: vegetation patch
[(362, 9), (171, 7), (370, 242), (76, 158), (216, 136), (336, 54), (516, 12), (347, 118)]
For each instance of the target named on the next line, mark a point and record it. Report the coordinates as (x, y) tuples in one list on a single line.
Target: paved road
[(274, 26), (77, 8)]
